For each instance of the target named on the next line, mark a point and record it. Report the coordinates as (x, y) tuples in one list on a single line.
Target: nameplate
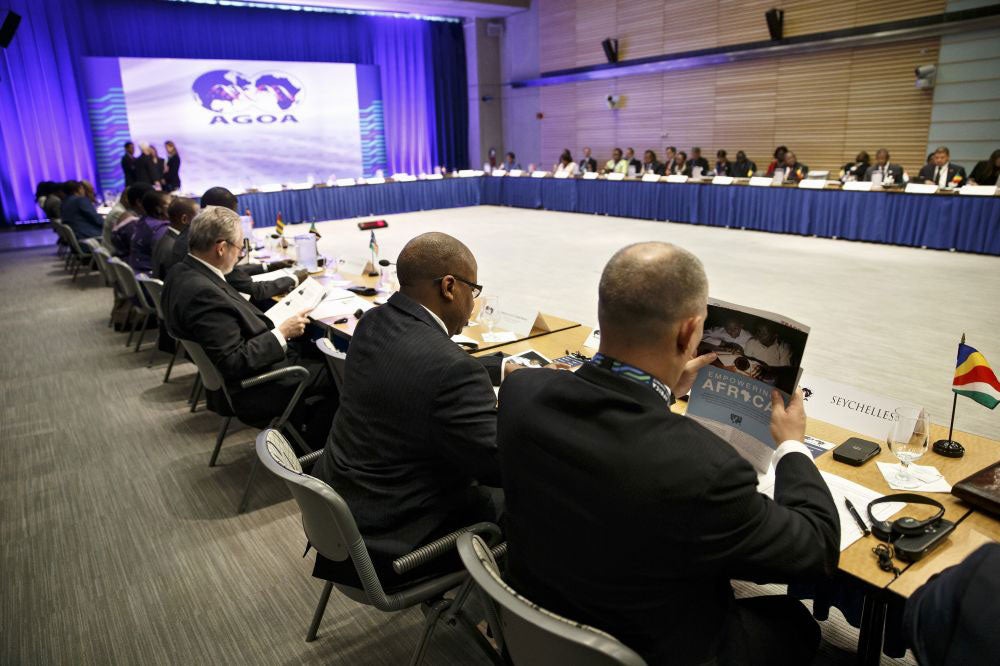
[(810, 184), (921, 188), (677, 178), (467, 173), (979, 191), (858, 186), (593, 340), (761, 181), (403, 178), (616, 176), (723, 180), (561, 175), (590, 175), (518, 321), (353, 266), (651, 178), (344, 182), (271, 187), (539, 174), (434, 176), (515, 172), (498, 172), (375, 180), (851, 408)]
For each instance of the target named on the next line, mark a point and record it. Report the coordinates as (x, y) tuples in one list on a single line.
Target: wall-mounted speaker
[(610, 49), (9, 27), (775, 23)]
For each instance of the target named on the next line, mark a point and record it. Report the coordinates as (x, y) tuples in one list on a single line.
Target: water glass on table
[(489, 312), (907, 439)]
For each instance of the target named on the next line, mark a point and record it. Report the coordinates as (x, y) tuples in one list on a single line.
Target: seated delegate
[(628, 517), (240, 341), (78, 212), (941, 171), (986, 171)]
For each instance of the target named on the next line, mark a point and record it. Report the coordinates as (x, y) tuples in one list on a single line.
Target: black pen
[(857, 518)]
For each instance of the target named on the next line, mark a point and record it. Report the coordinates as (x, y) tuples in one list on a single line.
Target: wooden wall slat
[(825, 106)]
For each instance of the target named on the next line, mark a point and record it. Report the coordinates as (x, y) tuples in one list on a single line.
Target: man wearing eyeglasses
[(413, 442), (240, 341)]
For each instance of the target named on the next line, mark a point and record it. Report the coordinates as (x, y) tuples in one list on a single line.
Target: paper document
[(340, 307), (926, 479), (304, 297), (271, 276), (841, 488)]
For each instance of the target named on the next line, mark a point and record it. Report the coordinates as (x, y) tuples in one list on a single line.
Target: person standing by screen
[(149, 167), (129, 163), (172, 170)]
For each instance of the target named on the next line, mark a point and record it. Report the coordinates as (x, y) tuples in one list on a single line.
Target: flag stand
[(949, 448)]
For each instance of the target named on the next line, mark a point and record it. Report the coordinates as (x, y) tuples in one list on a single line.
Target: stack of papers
[(270, 276)]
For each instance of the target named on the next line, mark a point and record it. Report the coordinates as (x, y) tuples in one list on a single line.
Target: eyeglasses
[(242, 248), (476, 288)]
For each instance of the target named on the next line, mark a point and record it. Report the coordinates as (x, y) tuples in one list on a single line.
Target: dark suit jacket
[(162, 252), (724, 168), (633, 519), (240, 277), (80, 215), (588, 164), (951, 620), (744, 169), (415, 430), (927, 173), (983, 174), (691, 164), (856, 169), (128, 169), (893, 170), (172, 177), (147, 171), (798, 172)]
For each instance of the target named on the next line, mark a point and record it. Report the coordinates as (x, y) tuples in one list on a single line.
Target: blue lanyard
[(634, 374)]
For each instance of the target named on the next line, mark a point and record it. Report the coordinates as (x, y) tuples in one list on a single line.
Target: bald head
[(648, 288), (432, 255)]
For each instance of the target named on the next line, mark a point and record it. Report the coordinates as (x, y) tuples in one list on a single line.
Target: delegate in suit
[(239, 340), (414, 439), (626, 516), (942, 172)]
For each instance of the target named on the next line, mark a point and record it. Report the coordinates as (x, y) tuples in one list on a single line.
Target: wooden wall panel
[(826, 106)]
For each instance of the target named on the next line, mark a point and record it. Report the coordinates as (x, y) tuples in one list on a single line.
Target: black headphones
[(890, 530)]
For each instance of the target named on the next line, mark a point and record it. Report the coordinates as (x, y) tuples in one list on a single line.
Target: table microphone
[(386, 262)]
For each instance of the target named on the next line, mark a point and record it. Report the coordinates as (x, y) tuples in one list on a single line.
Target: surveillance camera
[(925, 71), (613, 101)]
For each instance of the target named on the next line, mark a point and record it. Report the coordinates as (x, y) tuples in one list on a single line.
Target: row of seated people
[(939, 169), (658, 513)]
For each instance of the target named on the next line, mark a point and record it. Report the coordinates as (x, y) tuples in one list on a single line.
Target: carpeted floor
[(120, 545)]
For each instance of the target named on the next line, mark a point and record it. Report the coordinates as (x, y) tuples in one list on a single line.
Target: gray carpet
[(119, 544)]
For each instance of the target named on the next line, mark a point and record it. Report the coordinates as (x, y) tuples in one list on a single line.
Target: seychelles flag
[(373, 244), (975, 379)]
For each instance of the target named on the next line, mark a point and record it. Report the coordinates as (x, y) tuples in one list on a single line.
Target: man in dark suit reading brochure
[(626, 516)]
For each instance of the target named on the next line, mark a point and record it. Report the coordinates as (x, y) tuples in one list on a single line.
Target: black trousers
[(770, 630)]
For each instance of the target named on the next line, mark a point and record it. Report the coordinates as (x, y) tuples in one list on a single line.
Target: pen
[(857, 518)]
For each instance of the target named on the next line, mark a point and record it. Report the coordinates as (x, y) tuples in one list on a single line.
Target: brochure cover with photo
[(757, 352)]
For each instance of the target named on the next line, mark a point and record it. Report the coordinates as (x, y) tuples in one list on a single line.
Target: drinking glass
[(907, 439), (489, 313)]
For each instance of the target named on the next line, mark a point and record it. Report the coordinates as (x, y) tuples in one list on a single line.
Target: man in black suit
[(795, 171), (892, 174), (239, 339), (241, 277), (951, 619), (697, 161), (588, 163), (634, 165), (414, 440), (626, 516), (942, 172), (667, 167), (129, 163)]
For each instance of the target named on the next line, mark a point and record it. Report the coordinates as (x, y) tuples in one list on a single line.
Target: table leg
[(872, 629)]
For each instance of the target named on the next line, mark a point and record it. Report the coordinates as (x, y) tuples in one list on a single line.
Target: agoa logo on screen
[(265, 98)]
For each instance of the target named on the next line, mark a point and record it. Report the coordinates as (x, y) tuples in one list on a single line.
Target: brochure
[(758, 351), (304, 297)]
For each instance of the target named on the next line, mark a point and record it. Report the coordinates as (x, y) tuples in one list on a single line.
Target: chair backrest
[(335, 360), (531, 634), (326, 519), (70, 237), (124, 277), (210, 375), (153, 288), (101, 258)]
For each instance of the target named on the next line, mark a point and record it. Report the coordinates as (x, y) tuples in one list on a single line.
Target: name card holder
[(376, 180), (980, 190), (561, 175), (858, 186), (539, 174), (590, 175), (723, 180), (761, 181), (812, 184), (921, 188), (499, 172), (616, 176), (650, 178), (433, 176), (353, 266), (466, 173), (677, 178), (515, 173), (345, 182)]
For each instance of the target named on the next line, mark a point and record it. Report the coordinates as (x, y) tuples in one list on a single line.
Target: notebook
[(981, 490)]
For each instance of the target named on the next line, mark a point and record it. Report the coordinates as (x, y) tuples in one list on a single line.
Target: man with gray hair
[(238, 338), (629, 517)]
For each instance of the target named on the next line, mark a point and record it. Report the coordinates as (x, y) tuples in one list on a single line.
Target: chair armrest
[(294, 371), (439, 547)]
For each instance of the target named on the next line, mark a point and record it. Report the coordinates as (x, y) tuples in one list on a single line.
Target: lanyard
[(634, 374)]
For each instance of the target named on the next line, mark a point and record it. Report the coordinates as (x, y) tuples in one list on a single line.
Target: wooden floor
[(118, 544)]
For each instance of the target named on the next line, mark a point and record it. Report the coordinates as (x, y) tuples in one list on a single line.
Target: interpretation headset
[(890, 530)]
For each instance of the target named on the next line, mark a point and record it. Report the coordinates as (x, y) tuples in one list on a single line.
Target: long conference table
[(945, 221), (880, 592)]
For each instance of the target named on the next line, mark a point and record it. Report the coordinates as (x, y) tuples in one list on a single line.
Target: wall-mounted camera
[(613, 101), (926, 75)]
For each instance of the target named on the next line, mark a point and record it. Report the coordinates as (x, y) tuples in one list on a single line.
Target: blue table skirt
[(968, 224)]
